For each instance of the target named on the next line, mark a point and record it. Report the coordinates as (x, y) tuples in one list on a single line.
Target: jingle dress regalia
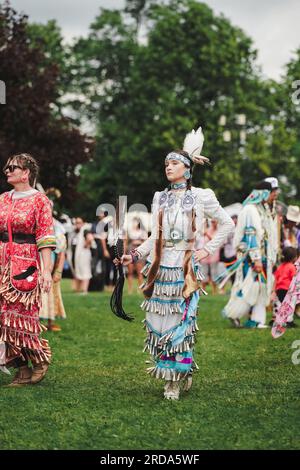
[(32, 228), (171, 302)]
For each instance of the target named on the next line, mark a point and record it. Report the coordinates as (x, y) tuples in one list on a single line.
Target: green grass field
[(97, 394)]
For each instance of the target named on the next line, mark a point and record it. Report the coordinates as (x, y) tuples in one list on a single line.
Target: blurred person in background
[(136, 235), (256, 241), (290, 222), (104, 233), (52, 303), (101, 254), (288, 308), (211, 264), (228, 251), (79, 255), (283, 278)]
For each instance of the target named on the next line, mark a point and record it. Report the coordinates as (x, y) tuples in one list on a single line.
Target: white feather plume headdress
[(193, 144)]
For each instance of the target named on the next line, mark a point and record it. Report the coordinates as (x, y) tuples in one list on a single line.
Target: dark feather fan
[(116, 300)]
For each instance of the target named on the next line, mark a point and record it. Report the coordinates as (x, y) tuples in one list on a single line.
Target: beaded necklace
[(182, 185)]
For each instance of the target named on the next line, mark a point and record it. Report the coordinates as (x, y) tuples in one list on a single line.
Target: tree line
[(101, 113)]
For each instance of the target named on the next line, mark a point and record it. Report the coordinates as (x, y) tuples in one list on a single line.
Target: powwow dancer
[(288, 306), (26, 228), (283, 277), (256, 242), (172, 269)]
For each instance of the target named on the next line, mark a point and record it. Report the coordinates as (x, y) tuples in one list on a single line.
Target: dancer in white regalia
[(256, 242), (172, 271)]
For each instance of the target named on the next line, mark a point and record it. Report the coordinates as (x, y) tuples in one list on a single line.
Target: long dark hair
[(289, 254)]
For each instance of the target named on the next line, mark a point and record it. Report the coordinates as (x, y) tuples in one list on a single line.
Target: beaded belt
[(18, 238), (181, 245)]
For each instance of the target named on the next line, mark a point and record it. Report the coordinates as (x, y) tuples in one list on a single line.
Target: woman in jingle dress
[(172, 268), (30, 215)]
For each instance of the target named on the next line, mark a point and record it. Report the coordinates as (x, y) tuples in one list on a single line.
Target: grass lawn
[(97, 394)]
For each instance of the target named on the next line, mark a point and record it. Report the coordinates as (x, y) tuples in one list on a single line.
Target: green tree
[(143, 97), (30, 120), (290, 109), (48, 39), (136, 9)]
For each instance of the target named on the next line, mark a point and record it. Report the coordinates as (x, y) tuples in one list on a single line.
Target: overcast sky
[(274, 25)]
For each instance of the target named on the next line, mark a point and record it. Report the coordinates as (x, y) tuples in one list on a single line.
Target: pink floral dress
[(288, 305), (19, 322)]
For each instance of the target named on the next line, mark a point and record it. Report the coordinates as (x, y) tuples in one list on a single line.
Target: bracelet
[(56, 271), (134, 255)]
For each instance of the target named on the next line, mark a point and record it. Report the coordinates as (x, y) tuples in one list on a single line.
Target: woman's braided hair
[(27, 161)]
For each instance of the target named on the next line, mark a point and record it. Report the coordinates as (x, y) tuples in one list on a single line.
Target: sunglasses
[(11, 168)]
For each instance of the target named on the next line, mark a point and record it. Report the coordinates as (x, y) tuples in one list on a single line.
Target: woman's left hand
[(199, 255), (46, 281)]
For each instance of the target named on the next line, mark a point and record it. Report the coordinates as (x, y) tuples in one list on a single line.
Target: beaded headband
[(193, 143), (179, 157)]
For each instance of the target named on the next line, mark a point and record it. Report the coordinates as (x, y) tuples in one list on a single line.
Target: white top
[(21, 194), (176, 218)]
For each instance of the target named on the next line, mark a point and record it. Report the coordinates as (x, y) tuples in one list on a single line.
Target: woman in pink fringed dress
[(27, 214), (289, 304)]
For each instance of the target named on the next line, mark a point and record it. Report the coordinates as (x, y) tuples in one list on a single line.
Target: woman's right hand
[(46, 280), (125, 260)]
